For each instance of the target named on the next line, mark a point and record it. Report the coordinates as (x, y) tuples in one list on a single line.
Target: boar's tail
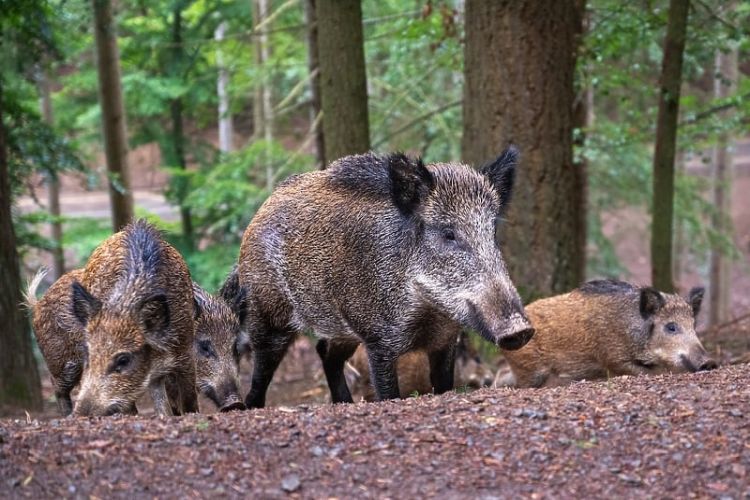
[(29, 298)]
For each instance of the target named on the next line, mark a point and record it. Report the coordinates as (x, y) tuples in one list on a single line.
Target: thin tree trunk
[(19, 377), (113, 114), (178, 136), (316, 127), (719, 275), (53, 183), (519, 62), (664, 150), (679, 230), (226, 129), (263, 54), (343, 81)]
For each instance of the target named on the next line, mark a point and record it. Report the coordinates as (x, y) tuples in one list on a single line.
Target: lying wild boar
[(218, 341), (134, 304), (413, 370), (608, 328), (381, 250)]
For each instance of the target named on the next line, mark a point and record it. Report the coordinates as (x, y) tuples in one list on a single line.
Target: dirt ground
[(669, 436)]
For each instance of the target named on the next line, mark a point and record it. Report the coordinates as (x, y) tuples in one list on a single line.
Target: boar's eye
[(448, 234), (671, 327), (121, 362), (205, 349)]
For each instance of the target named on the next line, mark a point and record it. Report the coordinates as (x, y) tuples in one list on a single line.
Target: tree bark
[(53, 183), (266, 110), (314, 65), (664, 149), (113, 114), (226, 129), (19, 377), (520, 58), (343, 81), (178, 136), (720, 266)]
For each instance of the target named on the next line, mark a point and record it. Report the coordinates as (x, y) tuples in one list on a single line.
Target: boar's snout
[(225, 395), (509, 332), (703, 363)]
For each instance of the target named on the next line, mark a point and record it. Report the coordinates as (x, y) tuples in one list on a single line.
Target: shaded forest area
[(631, 119)]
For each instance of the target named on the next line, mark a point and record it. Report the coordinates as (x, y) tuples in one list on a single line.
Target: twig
[(414, 122), (726, 324)]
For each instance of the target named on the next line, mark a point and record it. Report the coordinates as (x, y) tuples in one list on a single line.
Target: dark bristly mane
[(608, 286), (143, 244)]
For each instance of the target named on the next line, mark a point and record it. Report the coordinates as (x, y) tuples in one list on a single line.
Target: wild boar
[(608, 328), (135, 303), (413, 371), (219, 341), (386, 251)]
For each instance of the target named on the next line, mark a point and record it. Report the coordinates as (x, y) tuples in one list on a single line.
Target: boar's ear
[(239, 305), (502, 174), (154, 312), (695, 298), (199, 301), (85, 305), (651, 302), (411, 182)]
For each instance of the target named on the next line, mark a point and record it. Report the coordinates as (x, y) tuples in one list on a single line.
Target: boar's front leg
[(69, 378), (269, 348), (158, 392), (334, 356), (188, 396), (441, 368), (383, 371)]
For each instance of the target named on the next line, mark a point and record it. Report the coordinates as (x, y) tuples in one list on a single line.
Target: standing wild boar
[(134, 301), (608, 328), (219, 341), (385, 251), (413, 371)]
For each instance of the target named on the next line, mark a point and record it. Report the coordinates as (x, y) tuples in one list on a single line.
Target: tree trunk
[(719, 275), (343, 81), (19, 378), (53, 183), (226, 130), (178, 137), (266, 110), (664, 149), (113, 114), (520, 58), (314, 64)]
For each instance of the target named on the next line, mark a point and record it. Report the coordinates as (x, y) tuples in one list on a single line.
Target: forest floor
[(678, 436)]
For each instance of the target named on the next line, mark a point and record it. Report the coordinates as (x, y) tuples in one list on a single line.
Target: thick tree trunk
[(53, 184), (316, 127), (19, 378), (113, 114), (343, 81), (719, 275), (664, 150), (226, 129), (178, 136), (519, 64)]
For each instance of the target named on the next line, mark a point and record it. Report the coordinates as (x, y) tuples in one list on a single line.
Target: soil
[(683, 436)]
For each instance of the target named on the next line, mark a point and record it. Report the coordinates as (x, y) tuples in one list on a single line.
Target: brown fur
[(413, 371), (603, 333)]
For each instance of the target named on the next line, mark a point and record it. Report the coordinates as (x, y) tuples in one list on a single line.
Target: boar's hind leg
[(383, 372), (441, 368), (269, 348), (334, 356), (69, 378)]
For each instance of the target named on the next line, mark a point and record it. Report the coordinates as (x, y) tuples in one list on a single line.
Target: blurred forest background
[(633, 121)]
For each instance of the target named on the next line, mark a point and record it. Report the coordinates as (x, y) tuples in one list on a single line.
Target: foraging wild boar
[(135, 303), (385, 251), (218, 341), (219, 344), (608, 328), (413, 371)]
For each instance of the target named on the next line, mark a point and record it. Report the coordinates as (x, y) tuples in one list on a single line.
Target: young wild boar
[(608, 328), (413, 371), (134, 301), (218, 341), (385, 251)]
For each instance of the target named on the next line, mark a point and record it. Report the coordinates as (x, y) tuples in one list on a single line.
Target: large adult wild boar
[(134, 301), (385, 251), (608, 328)]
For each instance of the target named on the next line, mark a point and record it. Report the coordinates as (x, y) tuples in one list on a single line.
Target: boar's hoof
[(237, 405), (709, 364), (515, 340)]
